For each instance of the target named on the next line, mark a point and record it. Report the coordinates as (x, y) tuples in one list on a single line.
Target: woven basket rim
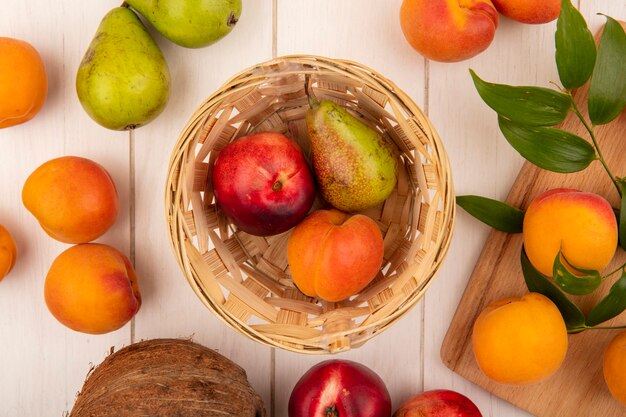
[(242, 81)]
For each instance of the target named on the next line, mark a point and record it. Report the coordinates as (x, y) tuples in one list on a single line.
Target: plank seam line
[(274, 28), (273, 350), (131, 210)]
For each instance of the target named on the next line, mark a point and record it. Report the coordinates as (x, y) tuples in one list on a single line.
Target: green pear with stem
[(123, 80), (190, 23), (354, 165)]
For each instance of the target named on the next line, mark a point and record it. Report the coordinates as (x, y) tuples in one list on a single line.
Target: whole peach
[(73, 198), (520, 340), (23, 82), (339, 388), (448, 30), (8, 252), (529, 11), (614, 367), (333, 255), (263, 184), (92, 288), (582, 225), (438, 403)]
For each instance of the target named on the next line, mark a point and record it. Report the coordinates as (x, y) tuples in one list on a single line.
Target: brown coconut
[(167, 377)]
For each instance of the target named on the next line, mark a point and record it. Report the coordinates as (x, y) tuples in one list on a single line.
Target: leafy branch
[(527, 116), (610, 306), (592, 135)]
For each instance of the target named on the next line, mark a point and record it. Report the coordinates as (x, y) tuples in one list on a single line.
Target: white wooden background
[(43, 364)]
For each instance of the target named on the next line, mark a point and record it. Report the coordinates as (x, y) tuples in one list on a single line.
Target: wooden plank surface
[(348, 30), (482, 163), (171, 309), (43, 364), (579, 382)]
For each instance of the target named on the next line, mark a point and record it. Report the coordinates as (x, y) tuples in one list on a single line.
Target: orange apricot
[(8, 252), (92, 288), (614, 367), (520, 340), (582, 225), (73, 198), (448, 30), (334, 255), (23, 82), (529, 11)]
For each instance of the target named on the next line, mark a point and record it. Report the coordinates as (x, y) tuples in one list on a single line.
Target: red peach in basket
[(92, 288), (581, 225), (263, 184), (334, 255), (614, 367)]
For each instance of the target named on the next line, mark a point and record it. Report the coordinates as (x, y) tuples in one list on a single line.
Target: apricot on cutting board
[(581, 225), (520, 340)]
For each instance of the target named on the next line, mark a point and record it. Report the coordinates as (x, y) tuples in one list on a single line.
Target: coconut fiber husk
[(167, 377)]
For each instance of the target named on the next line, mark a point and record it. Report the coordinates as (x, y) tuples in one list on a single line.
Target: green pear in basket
[(123, 81), (355, 167), (190, 23)]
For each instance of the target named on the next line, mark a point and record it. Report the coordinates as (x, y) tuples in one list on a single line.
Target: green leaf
[(536, 282), (549, 148), (575, 284), (495, 213), (611, 305), (607, 90), (534, 106), (622, 215), (575, 48)]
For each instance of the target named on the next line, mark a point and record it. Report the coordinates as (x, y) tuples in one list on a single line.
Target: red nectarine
[(340, 388), (263, 183)]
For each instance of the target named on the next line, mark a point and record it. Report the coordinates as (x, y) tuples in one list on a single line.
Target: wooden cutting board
[(578, 388)]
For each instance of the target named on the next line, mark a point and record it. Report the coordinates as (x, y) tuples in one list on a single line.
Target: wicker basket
[(245, 279)]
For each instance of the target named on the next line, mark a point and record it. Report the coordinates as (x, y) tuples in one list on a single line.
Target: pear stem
[(313, 101), (124, 4)]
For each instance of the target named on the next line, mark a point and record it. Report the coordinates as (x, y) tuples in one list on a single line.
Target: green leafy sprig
[(527, 116)]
